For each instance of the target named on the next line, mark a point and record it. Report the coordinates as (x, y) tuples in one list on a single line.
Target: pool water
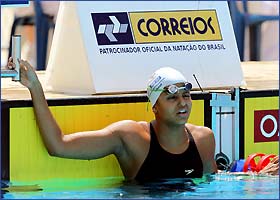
[(219, 186)]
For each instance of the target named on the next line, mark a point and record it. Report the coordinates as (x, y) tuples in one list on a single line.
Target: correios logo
[(266, 126), (156, 27), (112, 28)]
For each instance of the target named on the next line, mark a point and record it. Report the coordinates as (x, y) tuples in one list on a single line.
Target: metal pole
[(16, 54)]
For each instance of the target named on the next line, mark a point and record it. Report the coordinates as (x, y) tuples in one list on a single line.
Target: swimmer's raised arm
[(82, 145)]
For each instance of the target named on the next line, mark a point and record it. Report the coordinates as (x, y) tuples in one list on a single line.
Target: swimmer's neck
[(171, 138)]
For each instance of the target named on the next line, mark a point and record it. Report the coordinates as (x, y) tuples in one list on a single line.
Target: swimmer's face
[(174, 107)]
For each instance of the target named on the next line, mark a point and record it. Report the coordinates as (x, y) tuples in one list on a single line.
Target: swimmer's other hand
[(272, 168)]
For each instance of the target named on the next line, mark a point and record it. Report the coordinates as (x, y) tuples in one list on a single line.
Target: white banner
[(114, 46)]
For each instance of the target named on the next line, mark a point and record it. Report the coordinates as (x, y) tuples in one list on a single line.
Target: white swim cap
[(161, 78)]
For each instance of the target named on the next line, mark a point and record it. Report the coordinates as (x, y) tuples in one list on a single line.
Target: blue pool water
[(219, 186)]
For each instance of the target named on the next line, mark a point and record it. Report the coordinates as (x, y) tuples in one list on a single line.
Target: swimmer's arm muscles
[(82, 145), (210, 166)]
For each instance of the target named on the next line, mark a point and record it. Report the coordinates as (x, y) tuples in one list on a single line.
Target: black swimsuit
[(162, 164)]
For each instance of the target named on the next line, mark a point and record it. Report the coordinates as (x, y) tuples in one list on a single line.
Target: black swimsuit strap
[(152, 133), (189, 135)]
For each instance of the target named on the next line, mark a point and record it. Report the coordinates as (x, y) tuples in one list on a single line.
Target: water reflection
[(216, 186), (160, 188)]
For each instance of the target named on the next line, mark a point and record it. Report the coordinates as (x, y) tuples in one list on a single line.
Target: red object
[(250, 162), (264, 161)]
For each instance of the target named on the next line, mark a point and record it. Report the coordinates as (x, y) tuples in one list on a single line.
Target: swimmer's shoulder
[(135, 136), (199, 131), (131, 127)]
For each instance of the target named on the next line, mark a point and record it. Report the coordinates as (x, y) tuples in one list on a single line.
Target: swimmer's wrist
[(35, 86)]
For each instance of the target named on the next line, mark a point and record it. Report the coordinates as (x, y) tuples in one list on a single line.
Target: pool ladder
[(16, 54)]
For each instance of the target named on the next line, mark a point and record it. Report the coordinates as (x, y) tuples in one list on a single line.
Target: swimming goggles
[(173, 89)]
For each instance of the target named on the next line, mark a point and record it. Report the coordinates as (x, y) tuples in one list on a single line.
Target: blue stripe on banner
[(13, 2)]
